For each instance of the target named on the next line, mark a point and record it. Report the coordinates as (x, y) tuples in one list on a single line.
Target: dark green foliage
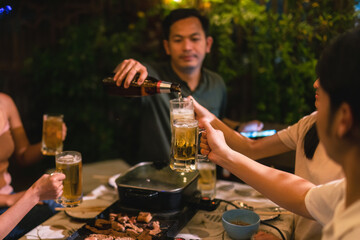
[(267, 60)]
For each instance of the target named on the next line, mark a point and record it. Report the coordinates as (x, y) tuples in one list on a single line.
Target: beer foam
[(206, 166), (68, 159), (182, 111)]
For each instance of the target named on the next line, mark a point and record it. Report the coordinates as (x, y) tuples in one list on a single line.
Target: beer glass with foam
[(184, 145), (70, 164), (181, 108), (52, 143), (207, 177)]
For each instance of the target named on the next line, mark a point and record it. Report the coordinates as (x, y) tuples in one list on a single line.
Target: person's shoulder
[(212, 74), (5, 99), (155, 69), (308, 119), (4, 96), (214, 79), (156, 65)]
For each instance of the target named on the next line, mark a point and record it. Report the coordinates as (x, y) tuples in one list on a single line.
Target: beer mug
[(207, 177), (184, 145), (52, 143), (181, 108), (70, 164)]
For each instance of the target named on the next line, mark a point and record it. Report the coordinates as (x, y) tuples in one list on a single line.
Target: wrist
[(33, 194)]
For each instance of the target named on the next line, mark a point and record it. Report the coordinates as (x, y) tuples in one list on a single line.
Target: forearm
[(25, 153), (31, 155), (254, 149), (238, 142), (9, 200), (285, 189), (230, 123), (13, 215)]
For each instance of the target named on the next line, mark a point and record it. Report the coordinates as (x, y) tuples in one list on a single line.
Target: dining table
[(204, 224)]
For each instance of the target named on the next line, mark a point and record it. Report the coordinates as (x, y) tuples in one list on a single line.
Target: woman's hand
[(213, 143), (49, 186), (201, 113), (64, 131)]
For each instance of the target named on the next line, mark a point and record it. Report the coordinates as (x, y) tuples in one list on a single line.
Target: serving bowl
[(240, 223)]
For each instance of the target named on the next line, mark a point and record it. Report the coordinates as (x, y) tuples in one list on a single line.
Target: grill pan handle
[(131, 193)]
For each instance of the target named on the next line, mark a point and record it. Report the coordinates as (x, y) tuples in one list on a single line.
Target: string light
[(4, 10)]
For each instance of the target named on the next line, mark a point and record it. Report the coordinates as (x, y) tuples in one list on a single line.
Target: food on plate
[(123, 227), (144, 217)]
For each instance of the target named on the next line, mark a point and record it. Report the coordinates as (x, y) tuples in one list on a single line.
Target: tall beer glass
[(207, 177), (181, 108), (184, 145), (51, 143), (70, 164)]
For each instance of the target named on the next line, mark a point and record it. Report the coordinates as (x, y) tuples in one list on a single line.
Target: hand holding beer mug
[(70, 164), (52, 134), (184, 145)]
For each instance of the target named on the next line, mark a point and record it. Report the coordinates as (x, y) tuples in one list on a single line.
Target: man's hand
[(126, 71), (254, 125)]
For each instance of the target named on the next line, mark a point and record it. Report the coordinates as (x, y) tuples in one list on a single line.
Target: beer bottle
[(150, 86)]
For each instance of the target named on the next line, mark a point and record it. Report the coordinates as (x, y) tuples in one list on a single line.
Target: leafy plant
[(267, 59)]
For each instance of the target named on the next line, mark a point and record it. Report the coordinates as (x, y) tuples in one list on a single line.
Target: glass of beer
[(184, 145), (52, 143), (70, 164), (181, 108), (207, 177)]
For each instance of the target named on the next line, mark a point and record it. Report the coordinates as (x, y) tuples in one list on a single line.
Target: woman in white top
[(311, 160), (335, 205)]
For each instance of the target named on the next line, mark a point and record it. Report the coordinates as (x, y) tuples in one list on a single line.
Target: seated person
[(13, 140), (335, 205), (186, 42), (311, 160), (47, 187)]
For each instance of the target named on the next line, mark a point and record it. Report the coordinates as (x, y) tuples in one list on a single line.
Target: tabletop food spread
[(187, 223)]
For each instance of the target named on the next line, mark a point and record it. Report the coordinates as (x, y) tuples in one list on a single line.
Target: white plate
[(88, 213), (263, 217), (112, 179)]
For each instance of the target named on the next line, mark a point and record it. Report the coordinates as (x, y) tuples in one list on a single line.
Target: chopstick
[(81, 209), (273, 213)]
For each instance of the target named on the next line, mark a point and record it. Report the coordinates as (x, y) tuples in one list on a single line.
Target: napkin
[(100, 192), (45, 232)]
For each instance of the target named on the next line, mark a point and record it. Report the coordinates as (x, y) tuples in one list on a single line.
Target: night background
[(54, 54)]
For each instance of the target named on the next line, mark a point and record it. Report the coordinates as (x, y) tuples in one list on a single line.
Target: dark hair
[(339, 72), (311, 141), (182, 13)]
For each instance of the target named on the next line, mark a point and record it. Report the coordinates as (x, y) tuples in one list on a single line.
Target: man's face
[(187, 44)]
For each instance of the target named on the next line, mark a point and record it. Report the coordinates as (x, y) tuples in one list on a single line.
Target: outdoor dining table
[(204, 224)]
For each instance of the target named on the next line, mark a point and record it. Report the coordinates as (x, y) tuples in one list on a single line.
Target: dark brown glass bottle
[(150, 86)]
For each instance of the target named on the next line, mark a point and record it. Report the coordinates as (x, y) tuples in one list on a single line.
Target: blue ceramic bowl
[(233, 221)]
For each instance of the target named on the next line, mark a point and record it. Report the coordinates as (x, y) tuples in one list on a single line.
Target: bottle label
[(163, 87)]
